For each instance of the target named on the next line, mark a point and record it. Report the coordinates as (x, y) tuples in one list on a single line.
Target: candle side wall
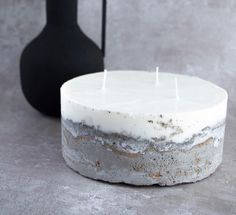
[(175, 127)]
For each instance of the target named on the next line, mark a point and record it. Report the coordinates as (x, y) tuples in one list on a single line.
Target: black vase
[(61, 52)]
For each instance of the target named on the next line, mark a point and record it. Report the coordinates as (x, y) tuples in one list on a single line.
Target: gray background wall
[(181, 36)]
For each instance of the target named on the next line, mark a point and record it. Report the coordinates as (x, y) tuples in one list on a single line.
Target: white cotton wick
[(157, 76), (176, 89), (104, 80)]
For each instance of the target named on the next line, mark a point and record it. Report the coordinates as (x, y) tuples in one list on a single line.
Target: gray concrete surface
[(186, 36), (120, 158)]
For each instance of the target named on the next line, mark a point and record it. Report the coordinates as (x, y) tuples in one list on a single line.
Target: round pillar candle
[(132, 130)]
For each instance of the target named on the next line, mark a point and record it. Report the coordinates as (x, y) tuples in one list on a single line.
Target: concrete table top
[(35, 180)]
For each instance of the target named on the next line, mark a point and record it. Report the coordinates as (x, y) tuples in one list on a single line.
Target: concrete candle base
[(118, 158)]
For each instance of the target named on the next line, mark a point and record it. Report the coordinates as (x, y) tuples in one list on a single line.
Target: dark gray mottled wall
[(182, 36)]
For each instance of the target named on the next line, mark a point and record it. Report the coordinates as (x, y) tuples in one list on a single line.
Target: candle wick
[(176, 90), (104, 80), (157, 76)]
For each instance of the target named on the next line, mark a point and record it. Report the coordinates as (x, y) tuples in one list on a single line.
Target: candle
[(134, 133)]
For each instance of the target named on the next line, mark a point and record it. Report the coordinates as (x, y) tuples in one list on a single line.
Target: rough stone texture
[(118, 158), (192, 37)]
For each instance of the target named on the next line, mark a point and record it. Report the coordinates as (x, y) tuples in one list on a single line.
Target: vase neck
[(61, 12)]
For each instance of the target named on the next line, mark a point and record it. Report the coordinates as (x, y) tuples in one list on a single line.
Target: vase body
[(61, 52)]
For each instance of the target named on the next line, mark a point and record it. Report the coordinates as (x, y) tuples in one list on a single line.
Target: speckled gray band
[(118, 158)]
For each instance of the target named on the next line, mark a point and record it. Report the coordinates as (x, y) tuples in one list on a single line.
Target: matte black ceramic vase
[(61, 51)]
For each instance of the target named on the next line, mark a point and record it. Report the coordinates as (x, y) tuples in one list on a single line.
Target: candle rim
[(223, 91)]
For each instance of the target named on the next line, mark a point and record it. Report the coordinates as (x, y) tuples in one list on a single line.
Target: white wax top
[(135, 92), (133, 105)]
